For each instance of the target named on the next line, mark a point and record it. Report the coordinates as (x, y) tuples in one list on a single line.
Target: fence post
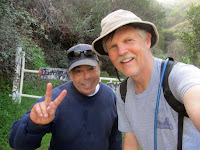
[(22, 76), (16, 80)]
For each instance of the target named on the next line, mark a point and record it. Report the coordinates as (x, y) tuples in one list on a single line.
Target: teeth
[(126, 60), (87, 84)]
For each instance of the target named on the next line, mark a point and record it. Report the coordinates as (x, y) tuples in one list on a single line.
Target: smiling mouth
[(127, 60), (87, 85)]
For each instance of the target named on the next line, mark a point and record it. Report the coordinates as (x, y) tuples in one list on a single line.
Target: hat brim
[(97, 44), (89, 62)]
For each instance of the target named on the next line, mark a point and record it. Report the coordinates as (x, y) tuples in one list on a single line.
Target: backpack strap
[(123, 89), (175, 104)]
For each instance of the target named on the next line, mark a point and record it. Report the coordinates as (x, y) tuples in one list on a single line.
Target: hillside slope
[(176, 19)]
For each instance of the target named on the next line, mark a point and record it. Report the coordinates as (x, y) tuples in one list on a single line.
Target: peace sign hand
[(44, 112)]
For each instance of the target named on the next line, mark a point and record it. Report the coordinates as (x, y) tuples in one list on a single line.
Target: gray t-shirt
[(138, 113)]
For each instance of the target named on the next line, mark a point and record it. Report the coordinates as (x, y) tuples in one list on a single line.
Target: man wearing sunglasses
[(83, 119)]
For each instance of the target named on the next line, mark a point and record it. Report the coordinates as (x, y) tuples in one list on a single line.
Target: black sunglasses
[(77, 54)]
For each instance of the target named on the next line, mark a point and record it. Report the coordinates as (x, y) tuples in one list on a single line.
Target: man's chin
[(88, 92)]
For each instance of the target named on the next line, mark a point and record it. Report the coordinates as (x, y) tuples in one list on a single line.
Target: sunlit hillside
[(176, 19)]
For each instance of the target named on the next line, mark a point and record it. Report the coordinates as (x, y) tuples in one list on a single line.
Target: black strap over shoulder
[(175, 104)]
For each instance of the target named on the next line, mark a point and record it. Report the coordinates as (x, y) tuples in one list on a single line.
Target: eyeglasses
[(77, 54)]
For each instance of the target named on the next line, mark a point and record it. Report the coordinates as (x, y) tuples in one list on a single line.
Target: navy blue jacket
[(81, 123)]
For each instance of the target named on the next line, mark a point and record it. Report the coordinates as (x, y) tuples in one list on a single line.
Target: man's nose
[(122, 49), (87, 74)]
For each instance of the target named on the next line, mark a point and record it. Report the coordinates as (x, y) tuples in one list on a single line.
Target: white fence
[(19, 77)]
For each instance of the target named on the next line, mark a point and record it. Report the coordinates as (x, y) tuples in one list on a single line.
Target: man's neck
[(143, 80)]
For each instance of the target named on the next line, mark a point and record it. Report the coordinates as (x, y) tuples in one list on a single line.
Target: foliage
[(62, 24), (176, 50), (15, 27), (149, 10), (176, 12), (65, 23), (175, 17), (86, 23), (169, 37), (192, 39), (178, 26), (49, 28), (107, 65)]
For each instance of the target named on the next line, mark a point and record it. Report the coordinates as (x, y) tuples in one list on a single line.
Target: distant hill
[(176, 10)]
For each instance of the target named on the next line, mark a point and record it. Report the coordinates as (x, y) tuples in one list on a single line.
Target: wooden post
[(16, 81)]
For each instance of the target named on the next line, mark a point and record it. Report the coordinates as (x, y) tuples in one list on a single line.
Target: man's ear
[(99, 63), (70, 73), (148, 39)]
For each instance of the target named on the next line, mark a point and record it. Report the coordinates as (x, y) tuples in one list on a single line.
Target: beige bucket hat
[(117, 19)]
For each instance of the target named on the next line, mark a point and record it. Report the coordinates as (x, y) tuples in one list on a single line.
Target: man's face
[(85, 78), (128, 51)]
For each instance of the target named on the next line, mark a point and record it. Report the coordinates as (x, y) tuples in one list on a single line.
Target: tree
[(177, 50), (15, 31), (53, 26), (192, 39), (149, 10)]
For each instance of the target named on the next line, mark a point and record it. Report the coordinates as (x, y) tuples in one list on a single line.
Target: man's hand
[(44, 112)]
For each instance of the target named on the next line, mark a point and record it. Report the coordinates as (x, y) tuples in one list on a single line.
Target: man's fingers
[(59, 99), (48, 93), (44, 112), (38, 110), (43, 107)]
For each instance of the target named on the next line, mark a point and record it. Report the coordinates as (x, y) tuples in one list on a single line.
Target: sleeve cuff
[(32, 127)]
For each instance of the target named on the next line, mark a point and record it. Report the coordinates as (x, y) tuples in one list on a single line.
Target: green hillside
[(176, 19)]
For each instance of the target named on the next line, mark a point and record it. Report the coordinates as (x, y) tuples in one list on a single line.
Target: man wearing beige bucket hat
[(128, 41)]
